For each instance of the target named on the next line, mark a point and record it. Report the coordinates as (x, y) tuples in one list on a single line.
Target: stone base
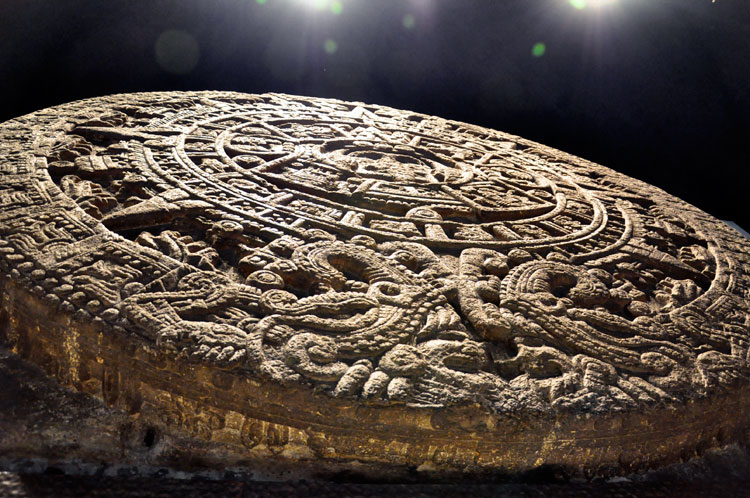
[(57, 441)]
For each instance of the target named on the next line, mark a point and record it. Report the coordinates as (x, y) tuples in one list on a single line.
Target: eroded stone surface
[(347, 281)]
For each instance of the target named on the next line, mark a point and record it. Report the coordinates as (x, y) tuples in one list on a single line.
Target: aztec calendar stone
[(307, 280)]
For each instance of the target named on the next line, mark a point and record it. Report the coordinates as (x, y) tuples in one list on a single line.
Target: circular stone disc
[(324, 281)]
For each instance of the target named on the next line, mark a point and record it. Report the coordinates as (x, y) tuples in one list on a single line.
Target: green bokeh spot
[(336, 8), (578, 4), (261, 2), (538, 49), (330, 46), (408, 21)]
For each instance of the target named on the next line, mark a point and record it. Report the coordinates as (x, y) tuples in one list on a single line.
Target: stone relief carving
[(375, 255)]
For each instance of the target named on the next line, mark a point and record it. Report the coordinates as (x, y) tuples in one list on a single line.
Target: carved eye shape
[(265, 280), (390, 289), (229, 227), (424, 213), (404, 257), (275, 300)]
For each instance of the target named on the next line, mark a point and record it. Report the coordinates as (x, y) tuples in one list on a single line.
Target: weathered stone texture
[(321, 281)]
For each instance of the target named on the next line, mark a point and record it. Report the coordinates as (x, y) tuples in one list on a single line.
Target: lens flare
[(538, 49), (330, 46)]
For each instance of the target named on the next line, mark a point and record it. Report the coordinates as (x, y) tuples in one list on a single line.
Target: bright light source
[(316, 4), (582, 4), (335, 7)]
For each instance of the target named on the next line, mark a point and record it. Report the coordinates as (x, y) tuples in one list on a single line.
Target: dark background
[(657, 89)]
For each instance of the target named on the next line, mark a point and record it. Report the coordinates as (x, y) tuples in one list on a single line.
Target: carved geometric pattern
[(374, 256)]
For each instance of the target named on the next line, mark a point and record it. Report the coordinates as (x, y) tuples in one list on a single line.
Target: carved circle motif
[(375, 257)]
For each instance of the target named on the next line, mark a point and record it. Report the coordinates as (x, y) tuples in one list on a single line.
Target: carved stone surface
[(312, 279)]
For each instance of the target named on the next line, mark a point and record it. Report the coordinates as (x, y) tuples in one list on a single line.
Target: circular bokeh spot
[(330, 46), (408, 21)]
